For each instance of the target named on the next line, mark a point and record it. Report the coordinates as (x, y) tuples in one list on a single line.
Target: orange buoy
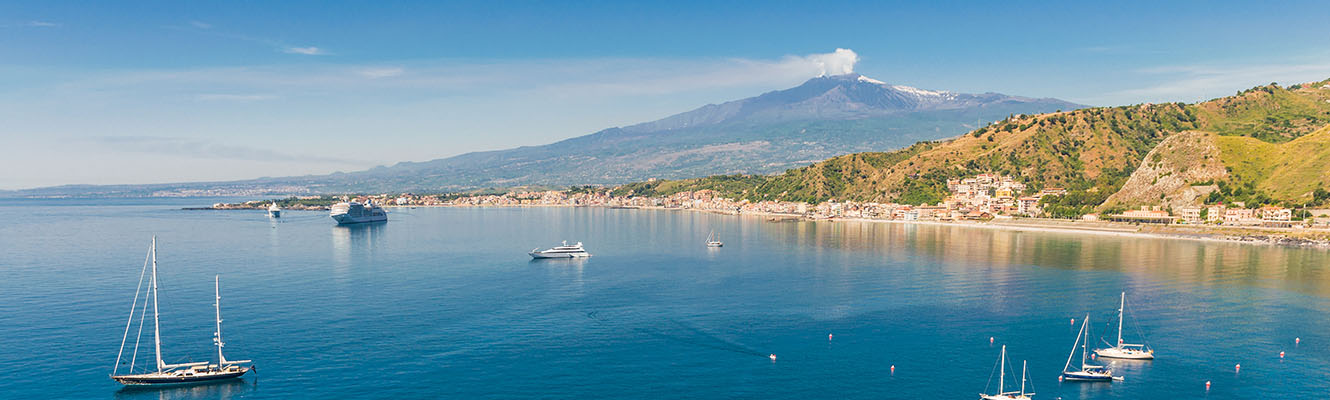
[(1237, 368), (1281, 355), (1207, 386), (1073, 321), (990, 340), (1059, 378), (893, 370), (1297, 340)]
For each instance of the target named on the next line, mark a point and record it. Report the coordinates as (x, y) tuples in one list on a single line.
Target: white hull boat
[(1087, 372), (564, 251), (1002, 394), (1126, 351), (355, 213)]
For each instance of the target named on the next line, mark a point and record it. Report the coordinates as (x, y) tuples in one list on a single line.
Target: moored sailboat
[(1002, 394), (1126, 350), (1087, 372), (712, 241), (167, 374)]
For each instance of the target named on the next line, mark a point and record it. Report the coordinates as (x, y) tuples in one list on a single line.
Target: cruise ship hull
[(346, 219)]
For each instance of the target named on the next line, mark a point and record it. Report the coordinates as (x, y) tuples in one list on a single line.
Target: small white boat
[(1002, 394), (564, 251), (1087, 372), (274, 211), (1126, 350), (712, 242)]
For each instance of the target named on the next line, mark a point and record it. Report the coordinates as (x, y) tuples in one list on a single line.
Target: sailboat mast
[(1073, 348), (1002, 369), (217, 305), (1085, 329), (156, 323), (1023, 363), (1121, 309)]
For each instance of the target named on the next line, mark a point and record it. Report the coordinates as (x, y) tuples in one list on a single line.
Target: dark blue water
[(445, 303)]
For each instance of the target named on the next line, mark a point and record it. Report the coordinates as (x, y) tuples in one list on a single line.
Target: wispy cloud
[(200, 24), (32, 24), (188, 147), (309, 51), (380, 72), (1205, 81), (233, 97)]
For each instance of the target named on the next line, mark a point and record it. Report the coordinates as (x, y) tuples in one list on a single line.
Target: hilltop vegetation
[(1273, 147)]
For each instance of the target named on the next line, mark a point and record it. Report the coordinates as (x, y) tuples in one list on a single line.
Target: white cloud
[(200, 24), (380, 72), (839, 62), (309, 51), (233, 97), (42, 24)]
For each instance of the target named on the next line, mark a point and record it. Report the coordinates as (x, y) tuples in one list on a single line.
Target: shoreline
[(1272, 238)]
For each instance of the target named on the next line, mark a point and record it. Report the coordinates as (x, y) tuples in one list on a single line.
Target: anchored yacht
[(274, 211), (173, 374), (564, 251)]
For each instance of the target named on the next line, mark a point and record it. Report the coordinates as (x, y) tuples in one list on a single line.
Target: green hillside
[(1273, 141)]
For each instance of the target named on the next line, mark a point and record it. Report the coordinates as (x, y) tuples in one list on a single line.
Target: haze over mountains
[(770, 133)]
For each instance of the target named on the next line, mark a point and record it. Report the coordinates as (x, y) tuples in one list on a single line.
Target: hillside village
[(982, 197)]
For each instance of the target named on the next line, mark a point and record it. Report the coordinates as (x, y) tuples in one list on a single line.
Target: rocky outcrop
[(1170, 173)]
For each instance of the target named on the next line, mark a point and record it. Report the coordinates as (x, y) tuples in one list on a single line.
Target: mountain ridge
[(768, 133)]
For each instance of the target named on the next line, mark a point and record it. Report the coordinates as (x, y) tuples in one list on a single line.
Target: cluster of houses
[(1235, 214), (995, 195), (981, 197)]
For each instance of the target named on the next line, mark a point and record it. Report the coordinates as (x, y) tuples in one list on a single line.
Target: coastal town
[(983, 198)]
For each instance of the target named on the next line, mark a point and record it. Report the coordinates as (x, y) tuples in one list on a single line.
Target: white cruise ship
[(355, 213), (564, 251)]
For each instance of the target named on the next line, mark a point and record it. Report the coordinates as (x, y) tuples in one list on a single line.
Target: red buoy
[(1281, 355), (1297, 340), (990, 340), (1059, 378), (1237, 368), (828, 337), (1073, 321), (893, 370), (1207, 386)]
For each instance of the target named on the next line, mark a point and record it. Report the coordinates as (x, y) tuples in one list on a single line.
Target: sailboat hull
[(1125, 354), (1008, 396), (1078, 376), (178, 379)]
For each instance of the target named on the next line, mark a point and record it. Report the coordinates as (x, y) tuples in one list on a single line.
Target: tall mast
[(1002, 368), (156, 324), (1073, 348), (1121, 309), (217, 304), (1023, 378), (1085, 329)]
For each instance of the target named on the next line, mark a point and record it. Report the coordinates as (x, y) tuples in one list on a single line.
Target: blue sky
[(140, 92)]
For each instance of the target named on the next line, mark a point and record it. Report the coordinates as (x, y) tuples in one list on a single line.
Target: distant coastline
[(1265, 236)]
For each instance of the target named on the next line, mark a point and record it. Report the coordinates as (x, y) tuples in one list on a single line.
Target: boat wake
[(682, 332)]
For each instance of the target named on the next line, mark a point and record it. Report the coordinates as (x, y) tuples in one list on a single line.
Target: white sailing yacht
[(168, 374), (712, 242), (1088, 372), (1002, 394), (1126, 350)]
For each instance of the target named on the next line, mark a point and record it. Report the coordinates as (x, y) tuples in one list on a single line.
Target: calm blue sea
[(445, 303)]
